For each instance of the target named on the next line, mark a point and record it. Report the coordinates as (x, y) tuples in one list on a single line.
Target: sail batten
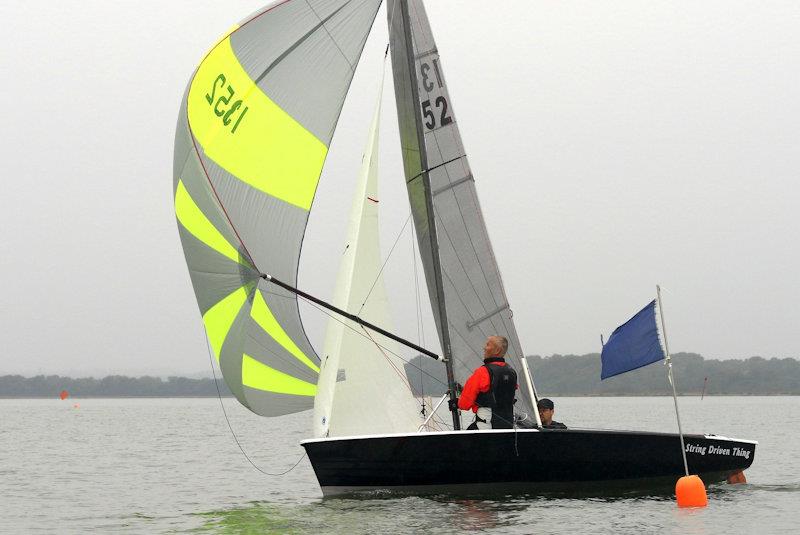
[(253, 134)]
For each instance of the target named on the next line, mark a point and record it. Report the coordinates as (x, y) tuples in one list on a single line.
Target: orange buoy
[(63, 395), (736, 478), (691, 492)]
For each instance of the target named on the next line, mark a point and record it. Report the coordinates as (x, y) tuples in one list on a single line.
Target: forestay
[(253, 133), (476, 305)]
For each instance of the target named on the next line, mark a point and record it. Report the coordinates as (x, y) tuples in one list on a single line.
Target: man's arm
[(477, 383)]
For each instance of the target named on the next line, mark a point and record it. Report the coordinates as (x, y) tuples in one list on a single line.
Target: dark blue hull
[(530, 461)]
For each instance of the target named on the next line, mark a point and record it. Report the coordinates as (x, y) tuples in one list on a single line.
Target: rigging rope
[(311, 303), (418, 312), (418, 307), (406, 379), (399, 235), (378, 276), (233, 434), (400, 374)]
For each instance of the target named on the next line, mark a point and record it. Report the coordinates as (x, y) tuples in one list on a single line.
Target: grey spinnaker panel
[(312, 74), (475, 300), (253, 132)]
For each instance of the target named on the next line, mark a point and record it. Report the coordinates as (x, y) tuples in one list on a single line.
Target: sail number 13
[(439, 103)]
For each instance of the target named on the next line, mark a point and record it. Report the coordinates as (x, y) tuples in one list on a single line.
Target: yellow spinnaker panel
[(248, 135), (262, 315), (224, 36), (262, 377), (219, 318), (193, 220)]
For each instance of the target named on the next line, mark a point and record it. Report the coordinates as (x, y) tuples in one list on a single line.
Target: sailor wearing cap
[(546, 410)]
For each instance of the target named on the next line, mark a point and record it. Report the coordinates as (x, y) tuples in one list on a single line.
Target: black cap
[(545, 403)]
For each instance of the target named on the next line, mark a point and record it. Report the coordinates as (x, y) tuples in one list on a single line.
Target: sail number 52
[(430, 117), (221, 107)]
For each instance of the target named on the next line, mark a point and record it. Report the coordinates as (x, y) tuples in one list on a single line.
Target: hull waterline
[(530, 461)]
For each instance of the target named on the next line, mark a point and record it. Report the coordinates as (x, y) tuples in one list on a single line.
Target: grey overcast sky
[(615, 145)]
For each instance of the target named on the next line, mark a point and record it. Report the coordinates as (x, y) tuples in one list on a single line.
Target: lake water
[(171, 465)]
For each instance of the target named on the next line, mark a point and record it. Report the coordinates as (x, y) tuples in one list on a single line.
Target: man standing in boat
[(489, 391)]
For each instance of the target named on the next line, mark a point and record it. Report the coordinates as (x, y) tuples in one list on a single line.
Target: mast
[(437, 269)]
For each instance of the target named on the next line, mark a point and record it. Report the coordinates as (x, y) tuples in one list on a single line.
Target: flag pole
[(671, 377)]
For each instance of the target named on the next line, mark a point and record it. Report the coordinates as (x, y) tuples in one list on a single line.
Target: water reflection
[(255, 517), (383, 512), (378, 515)]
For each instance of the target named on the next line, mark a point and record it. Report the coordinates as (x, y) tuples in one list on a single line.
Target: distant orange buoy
[(691, 492), (736, 478), (64, 394)]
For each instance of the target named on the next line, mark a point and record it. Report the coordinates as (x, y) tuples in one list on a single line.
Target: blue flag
[(633, 344)]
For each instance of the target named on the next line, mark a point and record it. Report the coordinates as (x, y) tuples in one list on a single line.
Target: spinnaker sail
[(253, 133), (438, 177)]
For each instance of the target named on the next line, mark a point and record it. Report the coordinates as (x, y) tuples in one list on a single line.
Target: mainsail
[(439, 178), (362, 386), (253, 133)]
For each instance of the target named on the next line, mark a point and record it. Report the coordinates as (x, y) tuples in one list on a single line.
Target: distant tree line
[(17, 386), (579, 375), (558, 375)]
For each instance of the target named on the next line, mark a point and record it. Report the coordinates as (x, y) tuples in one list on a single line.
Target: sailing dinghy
[(254, 129)]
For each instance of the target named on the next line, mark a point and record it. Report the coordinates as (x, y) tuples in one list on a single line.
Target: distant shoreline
[(556, 376), (579, 376)]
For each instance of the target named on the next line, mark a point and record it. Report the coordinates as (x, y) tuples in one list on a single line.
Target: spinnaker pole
[(350, 316), (437, 268)]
